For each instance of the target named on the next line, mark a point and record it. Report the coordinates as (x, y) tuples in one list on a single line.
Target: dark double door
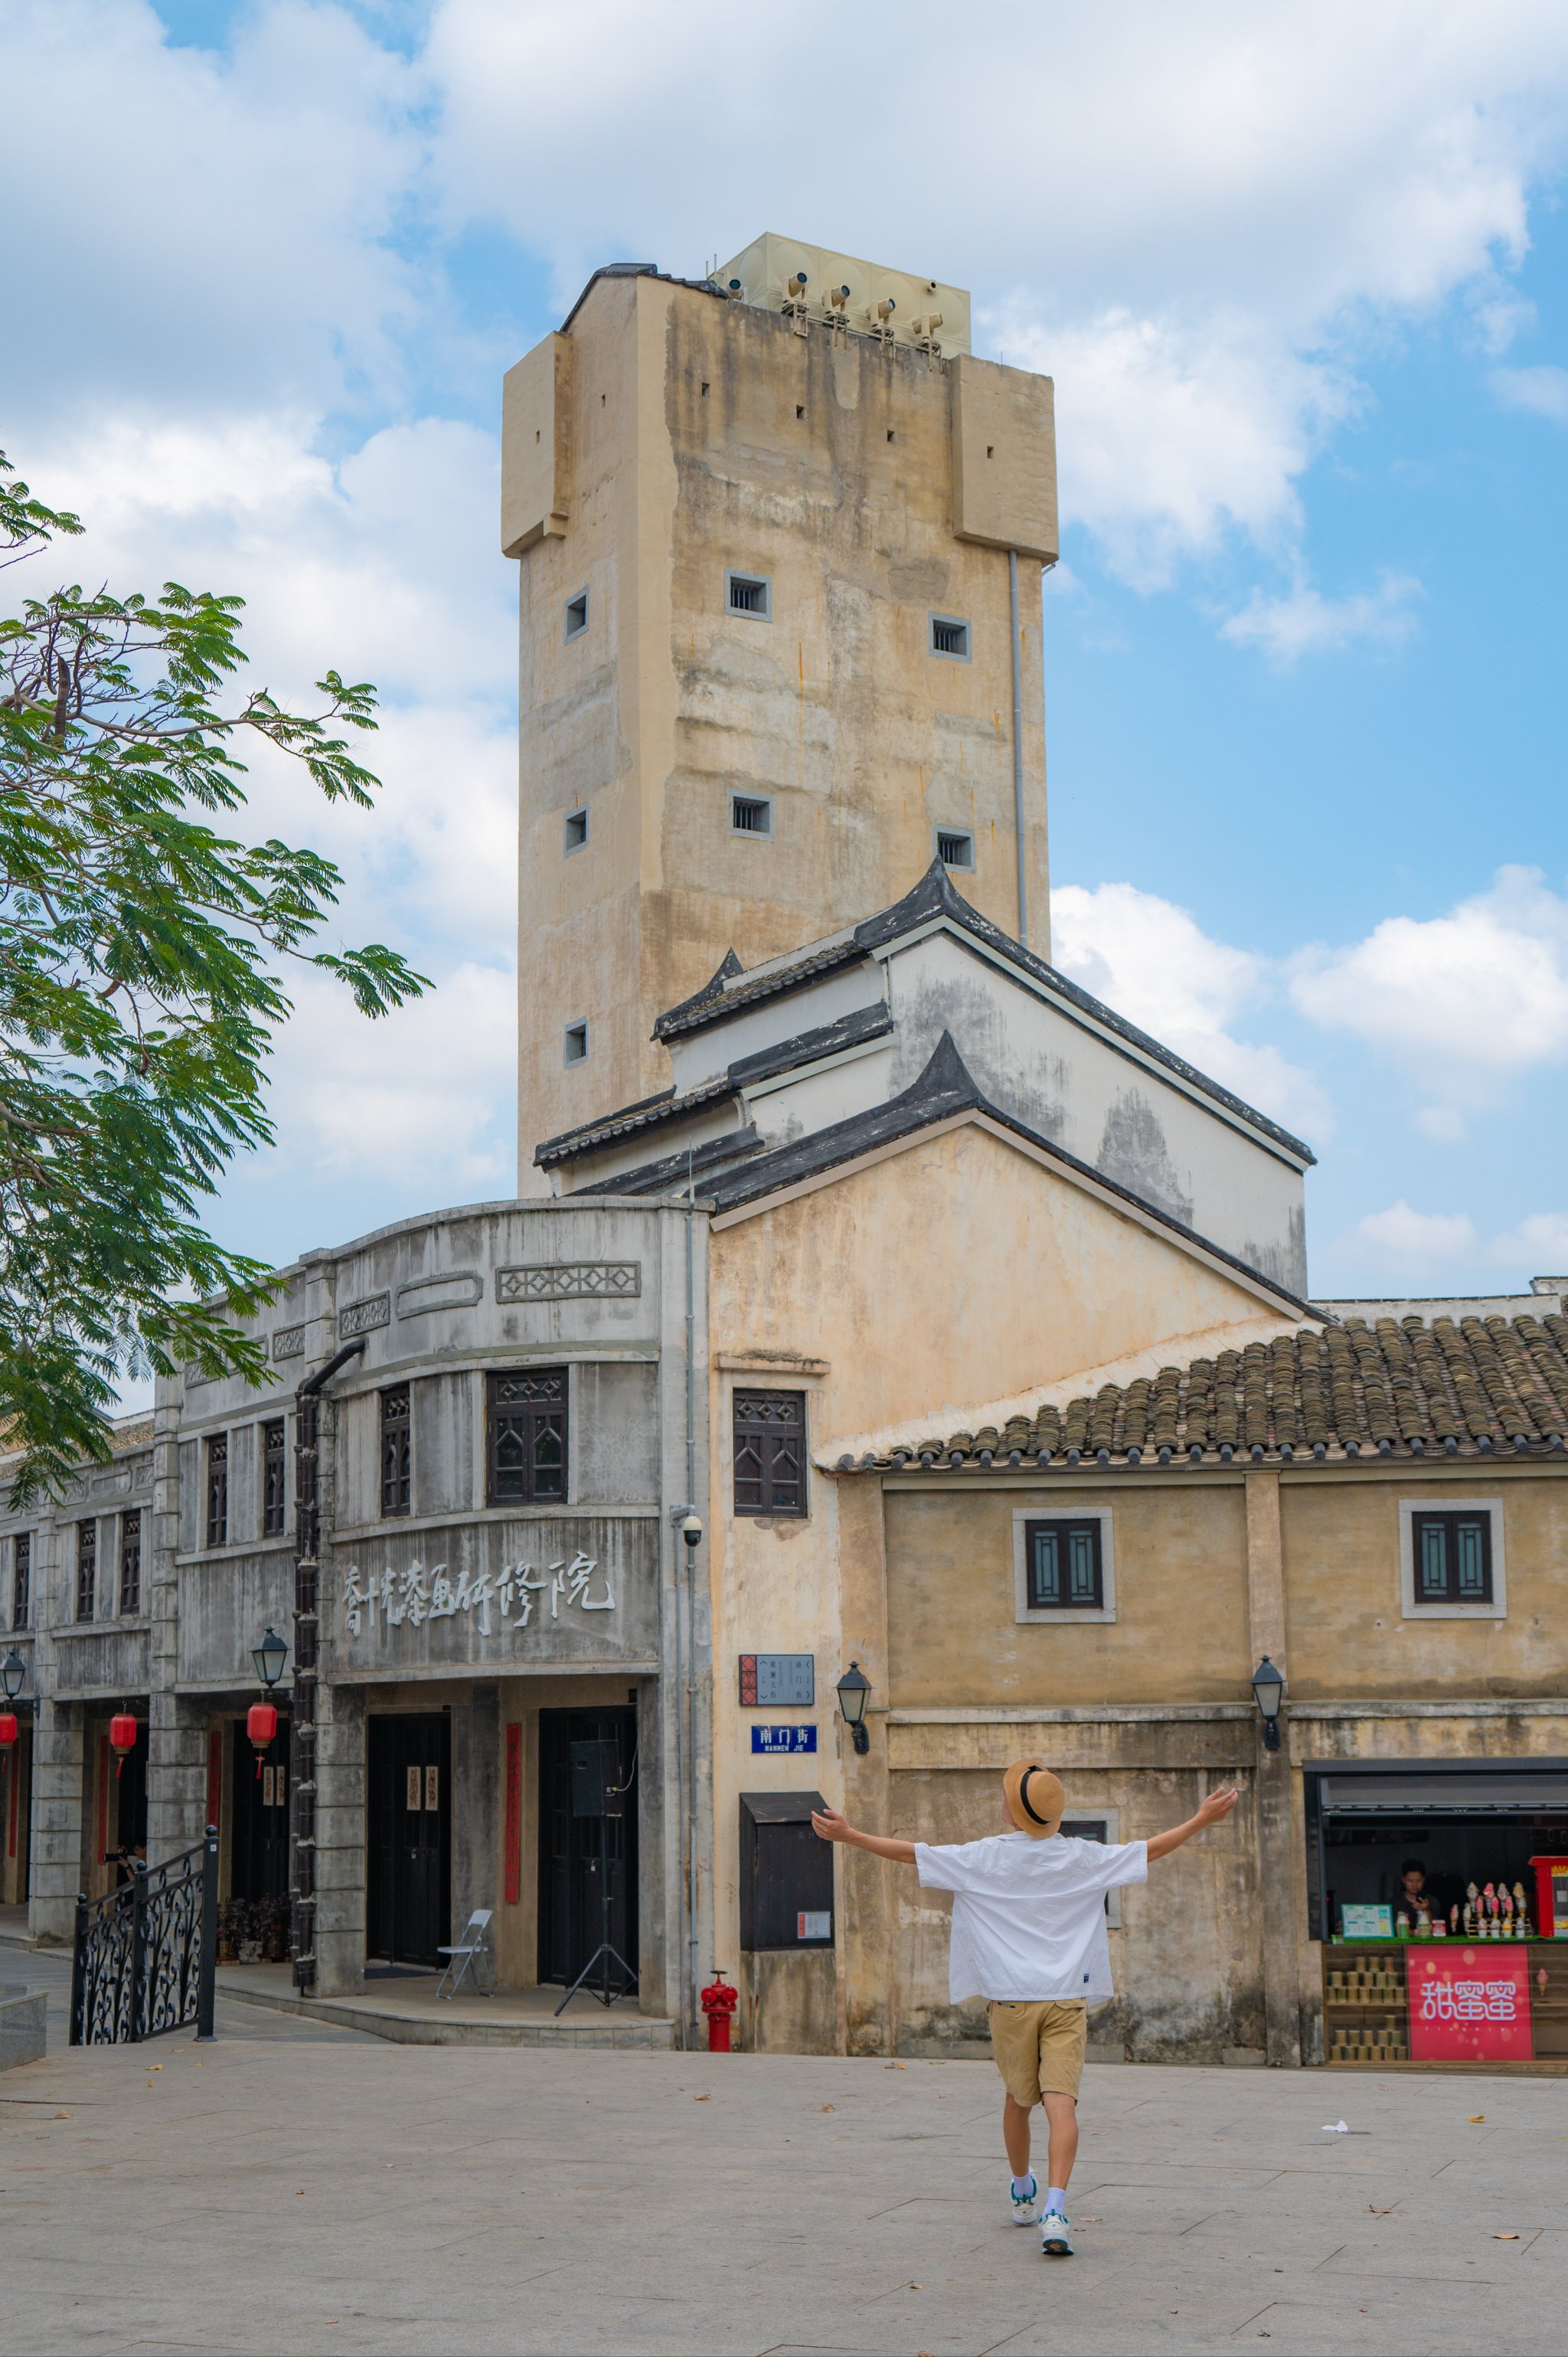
[(588, 1838), (259, 1844), (408, 1911)]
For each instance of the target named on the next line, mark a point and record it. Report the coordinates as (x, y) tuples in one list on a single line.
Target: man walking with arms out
[(1028, 1935)]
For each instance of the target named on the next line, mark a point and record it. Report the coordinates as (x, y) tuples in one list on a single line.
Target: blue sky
[(1299, 275)]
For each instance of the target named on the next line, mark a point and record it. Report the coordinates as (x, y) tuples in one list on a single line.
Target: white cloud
[(1542, 390), (1538, 1243), (1305, 623), (425, 1092), (1432, 1236), (1464, 1002), (1194, 218), (1153, 962)]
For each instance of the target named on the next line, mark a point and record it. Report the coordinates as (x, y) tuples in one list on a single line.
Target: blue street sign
[(783, 1739)]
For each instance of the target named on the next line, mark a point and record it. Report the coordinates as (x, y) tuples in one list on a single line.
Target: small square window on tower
[(749, 593), (751, 814), (577, 614), (575, 832), (955, 846), (576, 1050), (949, 637)]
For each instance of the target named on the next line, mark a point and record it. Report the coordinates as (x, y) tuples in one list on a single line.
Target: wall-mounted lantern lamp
[(1268, 1693), (269, 1657), (13, 1675), (852, 1690)]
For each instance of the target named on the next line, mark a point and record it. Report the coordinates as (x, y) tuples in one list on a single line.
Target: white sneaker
[(1026, 2206), (1055, 2235)]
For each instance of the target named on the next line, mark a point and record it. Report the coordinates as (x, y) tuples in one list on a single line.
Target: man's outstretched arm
[(1217, 1806), (830, 1826)]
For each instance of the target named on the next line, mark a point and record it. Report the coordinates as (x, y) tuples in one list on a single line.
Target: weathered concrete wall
[(704, 436)]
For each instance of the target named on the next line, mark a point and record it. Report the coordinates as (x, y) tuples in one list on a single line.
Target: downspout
[(306, 1654), (691, 1974), (1018, 746)]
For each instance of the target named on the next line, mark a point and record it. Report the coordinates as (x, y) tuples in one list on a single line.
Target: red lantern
[(260, 1726), (122, 1738), (9, 1730)]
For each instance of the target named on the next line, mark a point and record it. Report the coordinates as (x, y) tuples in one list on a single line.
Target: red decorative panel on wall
[(13, 1792), (513, 1814), (103, 1799), (214, 1773)]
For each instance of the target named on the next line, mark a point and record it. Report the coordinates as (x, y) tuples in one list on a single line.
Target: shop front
[(1438, 1890)]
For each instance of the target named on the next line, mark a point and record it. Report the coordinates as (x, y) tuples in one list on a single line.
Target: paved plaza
[(297, 2188)]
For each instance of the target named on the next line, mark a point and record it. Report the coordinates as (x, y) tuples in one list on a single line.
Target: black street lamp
[(1268, 1693), (13, 1675), (269, 1657), (852, 1690)]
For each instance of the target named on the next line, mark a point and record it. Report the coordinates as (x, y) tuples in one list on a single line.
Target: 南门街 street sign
[(783, 1739)]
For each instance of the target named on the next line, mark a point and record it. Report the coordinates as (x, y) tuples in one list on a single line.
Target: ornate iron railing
[(145, 1955)]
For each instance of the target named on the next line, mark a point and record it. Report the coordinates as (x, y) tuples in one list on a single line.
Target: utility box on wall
[(786, 1873)]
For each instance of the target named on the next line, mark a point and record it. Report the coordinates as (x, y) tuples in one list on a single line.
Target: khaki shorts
[(1039, 2048)]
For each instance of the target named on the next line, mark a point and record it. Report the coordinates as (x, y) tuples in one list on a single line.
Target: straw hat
[(1034, 1797)]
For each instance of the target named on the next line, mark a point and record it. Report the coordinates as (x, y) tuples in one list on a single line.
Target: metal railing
[(144, 1957)]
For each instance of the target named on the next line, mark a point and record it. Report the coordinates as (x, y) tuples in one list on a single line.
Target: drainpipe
[(1018, 746), (692, 1972), (306, 1653)]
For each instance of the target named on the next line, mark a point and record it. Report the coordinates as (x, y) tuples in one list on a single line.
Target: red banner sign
[(1469, 2005)]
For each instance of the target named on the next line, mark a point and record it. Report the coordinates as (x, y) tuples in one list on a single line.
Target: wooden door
[(410, 1860)]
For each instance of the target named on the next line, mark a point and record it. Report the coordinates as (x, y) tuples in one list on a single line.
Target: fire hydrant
[(719, 2002)]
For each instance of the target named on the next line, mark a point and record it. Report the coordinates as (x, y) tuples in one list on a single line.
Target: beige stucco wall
[(688, 456), (1348, 1636)]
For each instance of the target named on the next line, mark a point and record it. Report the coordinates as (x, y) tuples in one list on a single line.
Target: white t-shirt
[(1028, 1917)]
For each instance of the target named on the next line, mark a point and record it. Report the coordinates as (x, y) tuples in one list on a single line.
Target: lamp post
[(1268, 1693), (853, 1689)]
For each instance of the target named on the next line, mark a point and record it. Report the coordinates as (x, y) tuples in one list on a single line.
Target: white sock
[(1023, 2187), (1056, 2199)]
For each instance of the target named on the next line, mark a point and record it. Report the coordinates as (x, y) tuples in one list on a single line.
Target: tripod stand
[(594, 1770)]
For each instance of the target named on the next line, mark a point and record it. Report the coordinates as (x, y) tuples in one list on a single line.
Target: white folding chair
[(471, 1954)]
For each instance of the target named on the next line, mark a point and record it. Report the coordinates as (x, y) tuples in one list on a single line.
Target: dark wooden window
[(396, 1461), (274, 1478), (131, 1561), (218, 1489), (22, 1579), (526, 1437), (1453, 1557), (1064, 1566), (86, 1571), (771, 1452)]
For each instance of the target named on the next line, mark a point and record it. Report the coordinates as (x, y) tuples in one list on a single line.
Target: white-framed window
[(1100, 1825), (955, 846), (576, 619), (751, 814), (749, 593), (949, 637), (575, 833), (575, 1046), (1064, 1565), (1451, 1559)]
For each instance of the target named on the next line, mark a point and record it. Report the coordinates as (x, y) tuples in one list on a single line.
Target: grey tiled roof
[(936, 896), (1473, 1387)]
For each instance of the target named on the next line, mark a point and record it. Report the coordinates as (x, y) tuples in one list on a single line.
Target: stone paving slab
[(264, 2194)]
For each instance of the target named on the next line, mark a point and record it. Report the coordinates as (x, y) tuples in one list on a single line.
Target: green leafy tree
[(142, 954)]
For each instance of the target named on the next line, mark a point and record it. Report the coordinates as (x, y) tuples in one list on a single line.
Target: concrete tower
[(781, 540)]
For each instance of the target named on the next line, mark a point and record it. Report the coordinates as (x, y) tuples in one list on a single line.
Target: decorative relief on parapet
[(288, 1343), (364, 1316), (570, 1280), (195, 1378), (457, 1288)]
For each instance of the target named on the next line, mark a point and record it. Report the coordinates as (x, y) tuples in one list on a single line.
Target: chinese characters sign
[(783, 1739), (1469, 2005), (491, 1600)]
